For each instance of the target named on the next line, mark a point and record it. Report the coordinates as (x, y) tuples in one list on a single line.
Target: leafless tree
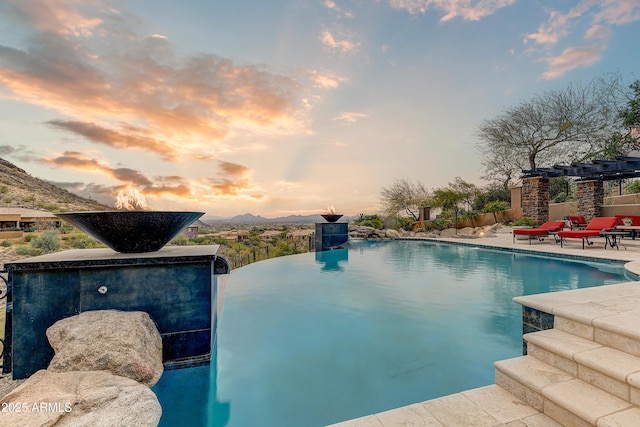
[(404, 197), (575, 123)]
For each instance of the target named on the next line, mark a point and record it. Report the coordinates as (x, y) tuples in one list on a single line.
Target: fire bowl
[(131, 231), (331, 217)]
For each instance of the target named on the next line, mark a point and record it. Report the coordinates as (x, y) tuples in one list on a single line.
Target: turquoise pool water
[(313, 339)]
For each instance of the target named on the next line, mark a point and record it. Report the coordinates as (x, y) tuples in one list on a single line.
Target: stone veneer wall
[(534, 320), (535, 198), (590, 198)]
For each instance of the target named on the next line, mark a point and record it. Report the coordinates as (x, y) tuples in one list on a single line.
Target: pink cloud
[(469, 10), (89, 64)]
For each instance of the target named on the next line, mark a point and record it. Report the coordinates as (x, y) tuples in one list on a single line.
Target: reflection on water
[(189, 397), (393, 323), (331, 259)]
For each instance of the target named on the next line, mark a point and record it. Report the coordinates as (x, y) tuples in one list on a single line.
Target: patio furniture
[(633, 229), (594, 229), (577, 222), (614, 238), (546, 229)]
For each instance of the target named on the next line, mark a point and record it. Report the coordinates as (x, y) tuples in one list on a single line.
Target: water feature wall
[(175, 285)]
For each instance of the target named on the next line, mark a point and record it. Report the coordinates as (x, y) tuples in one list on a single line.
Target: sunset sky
[(283, 107)]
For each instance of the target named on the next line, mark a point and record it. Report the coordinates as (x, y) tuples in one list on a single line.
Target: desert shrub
[(4, 189), (370, 221), (29, 237), (179, 240), (81, 241), (632, 187), (27, 250), (525, 220), (48, 242), (5, 243), (407, 223)]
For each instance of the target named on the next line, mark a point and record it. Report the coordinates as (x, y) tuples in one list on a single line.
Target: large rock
[(80, 399), (126, 343)]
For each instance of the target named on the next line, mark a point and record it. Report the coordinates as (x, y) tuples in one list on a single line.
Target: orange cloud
[(89, 64)]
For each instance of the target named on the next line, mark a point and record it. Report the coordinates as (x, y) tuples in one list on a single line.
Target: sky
[(283, 107)]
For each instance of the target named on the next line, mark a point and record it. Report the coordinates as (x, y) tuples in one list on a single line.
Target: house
[(15, 219)]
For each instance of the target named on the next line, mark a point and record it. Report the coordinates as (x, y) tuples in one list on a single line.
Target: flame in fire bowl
[(131, 231)]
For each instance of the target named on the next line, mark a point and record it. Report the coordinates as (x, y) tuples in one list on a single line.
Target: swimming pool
[(313, 339)]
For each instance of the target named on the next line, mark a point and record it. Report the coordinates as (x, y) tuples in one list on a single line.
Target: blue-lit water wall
[(331, 235), (176, 286)]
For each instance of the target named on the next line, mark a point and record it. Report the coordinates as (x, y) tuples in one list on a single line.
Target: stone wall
[(590, 198), (535, 198)]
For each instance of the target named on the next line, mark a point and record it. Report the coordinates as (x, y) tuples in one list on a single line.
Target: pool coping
[(630, 266)]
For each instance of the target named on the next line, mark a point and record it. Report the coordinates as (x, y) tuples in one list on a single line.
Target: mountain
[(19, 189), (257, 219)]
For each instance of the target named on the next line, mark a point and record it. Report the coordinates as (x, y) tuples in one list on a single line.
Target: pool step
[(576, 380)]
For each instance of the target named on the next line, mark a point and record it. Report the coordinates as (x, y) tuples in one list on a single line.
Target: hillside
[(18, 188)]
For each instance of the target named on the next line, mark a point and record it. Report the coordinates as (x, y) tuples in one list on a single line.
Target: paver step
[(609, 369), (576, 403), (525, 377)]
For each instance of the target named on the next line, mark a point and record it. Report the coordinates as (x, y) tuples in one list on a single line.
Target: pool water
[(317, 338)]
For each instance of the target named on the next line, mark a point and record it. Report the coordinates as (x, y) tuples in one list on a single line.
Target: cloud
[(340, 12), (599, 18), (87, 62), (572, 58), (126, 176), (469, 10), (326, 79), (126, 137), (350, 117), (232, 168), (340, 44)]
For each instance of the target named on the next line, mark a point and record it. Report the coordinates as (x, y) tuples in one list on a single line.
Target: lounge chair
[(539, 232), (578, 222), (594, 229)]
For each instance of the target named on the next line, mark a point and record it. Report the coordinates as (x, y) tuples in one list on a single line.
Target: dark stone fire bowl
[(331, 217), (131, 231)]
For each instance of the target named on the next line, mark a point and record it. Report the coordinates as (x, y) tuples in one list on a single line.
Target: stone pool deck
[(584, 372)]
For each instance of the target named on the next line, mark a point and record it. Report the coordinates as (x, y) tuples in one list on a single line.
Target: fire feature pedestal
[(330, 235), (175, 285)]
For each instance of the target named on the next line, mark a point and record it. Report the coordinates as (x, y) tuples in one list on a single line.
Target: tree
[(564, 125), (404, 197)]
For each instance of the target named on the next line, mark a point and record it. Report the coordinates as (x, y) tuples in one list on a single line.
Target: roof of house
[(27, 213)]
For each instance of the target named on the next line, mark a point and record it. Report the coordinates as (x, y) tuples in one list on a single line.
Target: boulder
[(86, 398), (392, 234), (125, 343)]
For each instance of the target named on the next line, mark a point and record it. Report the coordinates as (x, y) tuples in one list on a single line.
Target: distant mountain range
[(257, 219)]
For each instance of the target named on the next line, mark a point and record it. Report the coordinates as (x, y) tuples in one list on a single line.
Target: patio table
[(613, 238), (633, 229)]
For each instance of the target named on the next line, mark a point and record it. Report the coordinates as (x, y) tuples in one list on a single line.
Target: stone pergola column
[(590, 198), (535, 198)]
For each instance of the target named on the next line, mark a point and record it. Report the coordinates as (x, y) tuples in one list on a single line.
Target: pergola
[(605, 170), (590, 189)]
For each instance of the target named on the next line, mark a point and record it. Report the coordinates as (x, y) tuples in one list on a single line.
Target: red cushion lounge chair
[(578, 222), (593, 229), (539, 232)]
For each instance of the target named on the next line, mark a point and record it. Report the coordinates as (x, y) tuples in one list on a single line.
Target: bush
[(370, 221), (632, 187), (407, 223), (180, 240), (27, 250), (5, 243), (48, 242), (525, 220)]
